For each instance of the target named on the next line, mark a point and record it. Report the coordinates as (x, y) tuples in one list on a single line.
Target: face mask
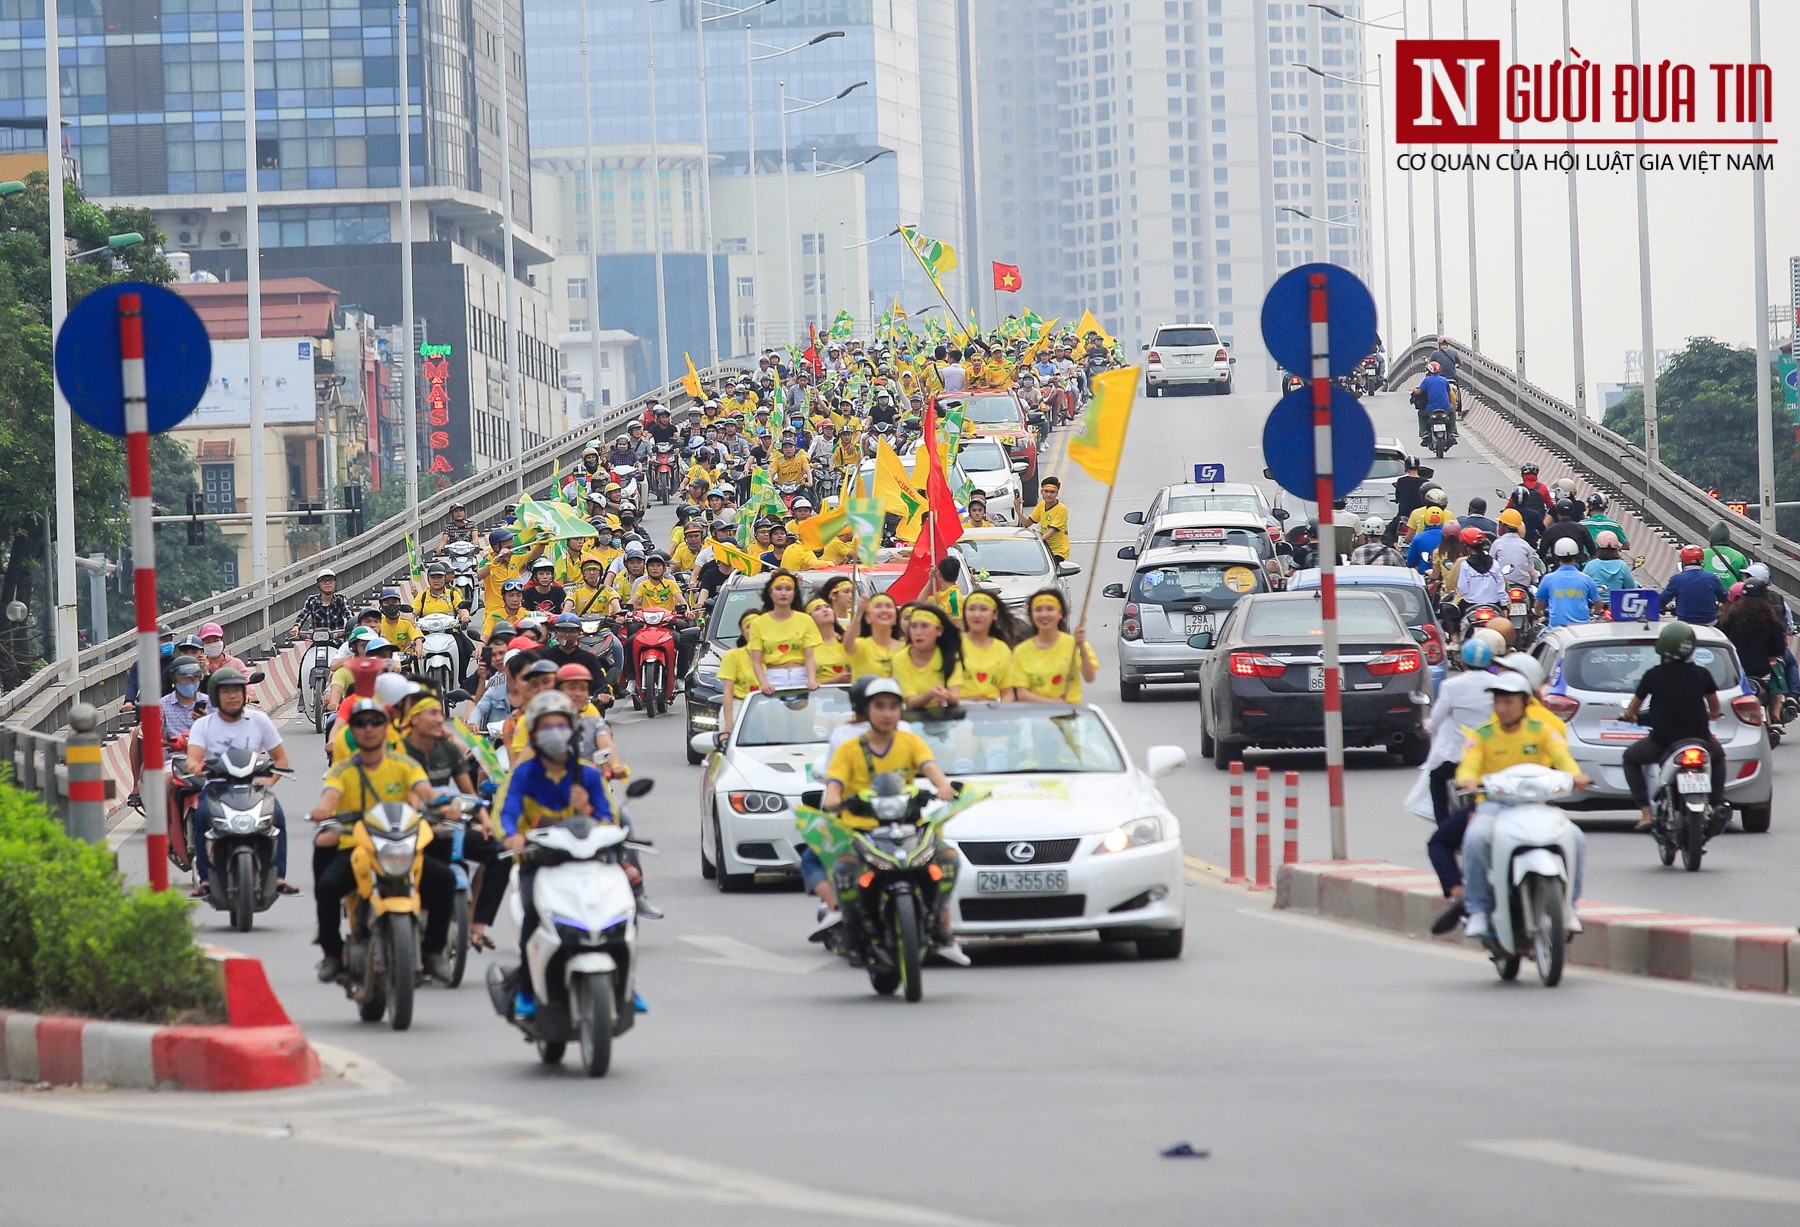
[(167, 649), (187, 690), (214, 648), (554, 743)]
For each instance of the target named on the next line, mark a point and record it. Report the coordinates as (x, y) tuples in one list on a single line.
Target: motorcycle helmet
[(1495, 641), (393, 689), (686, 512), (387, 594), (500, 537), (1509, 683), (634, 549), (542, 564), (438, 568), (1755, 587), (1525, 666), (1434, 368), (1735, 591), (1434, 496), (800, 501), (324, 573), (657, 556), (696, 445), (188, 670), (1412, 462), (1607, 540), (574, 673), (1528, 469), (1675, 641), (567, 621), (1567, 509), (1691, 555), (1519, 496), (366, 707), (1474, 538), (1757, 570), (1374, 526), (1477, 653), (1565, 547), (1596, 503), (864, 690), (549, 703)]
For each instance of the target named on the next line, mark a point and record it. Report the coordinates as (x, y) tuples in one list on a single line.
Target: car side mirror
[(1202, 641), (1115, 591), (1160, 761), (1420, 634), (1128, 551), (1280, 514), (459, 695), (688, 634), (639, 787), (1134, 517), (1066, 569), (813, 797), (1019, 466), (703, 743), (1144, 347)]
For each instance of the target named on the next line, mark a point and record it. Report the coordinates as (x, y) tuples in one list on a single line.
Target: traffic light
[(353, 502), (196, 529)]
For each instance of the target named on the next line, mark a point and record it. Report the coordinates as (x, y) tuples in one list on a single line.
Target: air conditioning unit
[(185, 238), (228, 238)]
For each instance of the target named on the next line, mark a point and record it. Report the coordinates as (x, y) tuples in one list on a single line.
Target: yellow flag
[(691, 380), (737, 559), (1102, 438), (897, 491)]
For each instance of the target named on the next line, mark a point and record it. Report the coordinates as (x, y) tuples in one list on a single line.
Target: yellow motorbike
[(381, 957)]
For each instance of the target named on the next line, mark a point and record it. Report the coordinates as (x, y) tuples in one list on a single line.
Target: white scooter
[(582, 957), (444, 665), (464, 558), (1532, 872), (315, 674)]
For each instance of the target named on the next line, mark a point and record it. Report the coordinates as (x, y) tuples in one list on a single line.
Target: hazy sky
[(1702, 265)]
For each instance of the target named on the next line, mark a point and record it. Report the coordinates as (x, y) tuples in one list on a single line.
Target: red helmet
[(574, 673), (1691, 554), (1473, 537)]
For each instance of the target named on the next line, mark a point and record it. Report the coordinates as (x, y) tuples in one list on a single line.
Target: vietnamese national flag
[(1006, 277), (943, 526), (812, 351)]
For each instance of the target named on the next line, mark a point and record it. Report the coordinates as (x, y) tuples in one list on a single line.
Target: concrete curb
[(258, 1049), (1635, 940)]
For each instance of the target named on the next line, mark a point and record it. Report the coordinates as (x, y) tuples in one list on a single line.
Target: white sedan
[(1074, 838), (749, 790)]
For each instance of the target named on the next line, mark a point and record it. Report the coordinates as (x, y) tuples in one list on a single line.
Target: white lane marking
[(729, 952), (1659, 1176), (354, 1068), (528, 1146)]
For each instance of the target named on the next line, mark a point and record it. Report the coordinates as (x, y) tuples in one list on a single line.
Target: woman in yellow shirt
[(839, 592), (872, 638), (736, 678), (834, 666), (930, 669), (986, 652), (1044, 666), (783, 638)]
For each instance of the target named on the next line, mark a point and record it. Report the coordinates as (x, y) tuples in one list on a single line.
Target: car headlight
[(395, 856), (1133, 834), (703, 721), (757, 802)]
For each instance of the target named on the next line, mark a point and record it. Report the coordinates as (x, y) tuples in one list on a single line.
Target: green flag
[(868, 516), (544, 518), (936, 258)]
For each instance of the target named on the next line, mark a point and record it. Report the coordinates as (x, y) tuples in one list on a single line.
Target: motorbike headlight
[(890, 809), (1133, 834), (395, 856)]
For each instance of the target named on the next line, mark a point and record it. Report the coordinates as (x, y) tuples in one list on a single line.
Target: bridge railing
[(254, 616)]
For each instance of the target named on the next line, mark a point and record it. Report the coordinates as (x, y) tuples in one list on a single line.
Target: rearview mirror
[(1203, 641), (639, 787), (257, 677), (1128, 551), (703, 743), (1280, 514), (813, 797), (1115, 591), (1164, 760), (1134, 517), (1145, 346), (1420, 634), (1019, 466), (1066, 569)]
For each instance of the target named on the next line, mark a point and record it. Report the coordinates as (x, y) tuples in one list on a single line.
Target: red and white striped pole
[(1237, 824), (1262, 830), (143, 555), (1290, 819), (1325, 496)]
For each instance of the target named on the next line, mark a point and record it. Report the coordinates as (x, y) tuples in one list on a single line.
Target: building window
[(218, 485), (746, 287), (578, 287), (811, 243)]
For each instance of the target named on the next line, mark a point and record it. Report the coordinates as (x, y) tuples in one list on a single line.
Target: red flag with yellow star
[(1006, 277)]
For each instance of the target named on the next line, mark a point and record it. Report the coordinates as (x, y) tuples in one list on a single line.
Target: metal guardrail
[(1616, 465), (255, 615)]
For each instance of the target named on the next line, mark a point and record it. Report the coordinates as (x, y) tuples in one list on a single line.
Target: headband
[(982, 599), (930, 611), (1046, 602), (817, 602), (424, 704)]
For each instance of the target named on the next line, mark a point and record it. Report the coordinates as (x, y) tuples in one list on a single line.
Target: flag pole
[(935, 284), (1094, 566)]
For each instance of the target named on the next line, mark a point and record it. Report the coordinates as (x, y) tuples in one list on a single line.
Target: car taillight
[(1562, 706), (1255, 664), (1222, 355), (1390, 663), (1155, 357), (1130, 628), (1693, 756), (1748, 709), (1434, 646)]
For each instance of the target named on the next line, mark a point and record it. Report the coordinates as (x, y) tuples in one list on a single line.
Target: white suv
[(1188, 356)]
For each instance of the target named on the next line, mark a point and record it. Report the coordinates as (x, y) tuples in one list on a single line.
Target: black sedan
[(1264, 684)]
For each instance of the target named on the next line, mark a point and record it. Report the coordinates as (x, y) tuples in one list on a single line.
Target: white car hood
[(1016, 589), (1052, 806), (787, 769)]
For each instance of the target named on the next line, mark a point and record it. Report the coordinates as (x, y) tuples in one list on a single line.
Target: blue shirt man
[(1609, 574), (1424, 544), (1437, 392), (1696, 594), (1568, 594)]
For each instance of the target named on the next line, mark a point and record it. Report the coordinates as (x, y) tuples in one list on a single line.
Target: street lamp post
[(1469, 189), (590, 273), (68, 632), (259, 511), (656, 231), (1518, 241), (819, 235), (1765, 444), (409, 405), (1376, 80), (787, 211), (1437, 210), (1644, 306), (515, 411), (1576, 331)]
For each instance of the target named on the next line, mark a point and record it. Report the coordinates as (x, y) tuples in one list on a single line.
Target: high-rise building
[(914, 107), (153, 93), (1175, 158)]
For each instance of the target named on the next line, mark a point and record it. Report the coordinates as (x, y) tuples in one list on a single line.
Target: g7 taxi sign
[(177, 358), (1635, 604)]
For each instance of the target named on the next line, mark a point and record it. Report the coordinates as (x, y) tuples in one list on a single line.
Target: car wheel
[(1153, 390), (694, 760), (728, 883), (1162, 946), (1130, 692), (1225, 388), (1755, 818), (707, 869), (1225, 753), (1414, 751), (1207, 744)]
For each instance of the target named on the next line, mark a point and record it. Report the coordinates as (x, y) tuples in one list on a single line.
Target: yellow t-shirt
[(496, 615), (916, 680), (392, 779), (735, 672), (428, 602), (400, 632), (500, 569), (1053, 526), (850, 766), (796, 557), (832, 664), (605, 555), (782, 642), (662, 593), (622, 584), (1046, 671), (950, 600), (682, 559), (790, 468), (984, 670), (839, 552), (870, 659), (1491, 748), (590, 602)]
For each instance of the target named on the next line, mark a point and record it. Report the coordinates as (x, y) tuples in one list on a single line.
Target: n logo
[(1447, 91)]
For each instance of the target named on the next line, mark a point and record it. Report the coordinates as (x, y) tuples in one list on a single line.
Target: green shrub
[(72, 939)]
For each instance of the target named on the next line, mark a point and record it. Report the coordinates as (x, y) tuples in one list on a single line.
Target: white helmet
[(1374, 526), (1565, 547), (1525, 666), (324, 573), (1757, 570), (1509, 683), (395, 688)]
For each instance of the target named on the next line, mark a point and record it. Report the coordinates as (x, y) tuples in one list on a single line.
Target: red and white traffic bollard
[(1290, 822), (1262, 830), (143, 558), (1237, 824)]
